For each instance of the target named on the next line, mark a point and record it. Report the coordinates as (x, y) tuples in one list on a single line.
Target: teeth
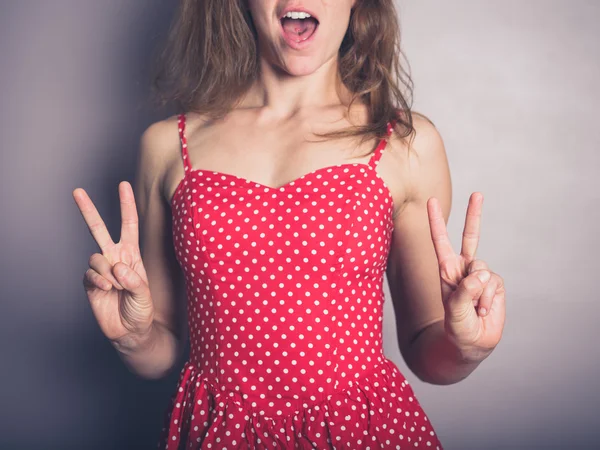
[(296, 15)]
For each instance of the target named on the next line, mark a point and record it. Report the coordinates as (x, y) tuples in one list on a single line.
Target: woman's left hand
[(473, 295)]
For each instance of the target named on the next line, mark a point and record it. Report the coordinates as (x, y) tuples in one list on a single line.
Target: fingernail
[(483, 275), (482, 311)]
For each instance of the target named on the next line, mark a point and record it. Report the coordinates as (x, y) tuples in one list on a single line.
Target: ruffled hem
[(378, 411)]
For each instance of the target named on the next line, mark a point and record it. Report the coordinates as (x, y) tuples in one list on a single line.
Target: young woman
[(295, 177)]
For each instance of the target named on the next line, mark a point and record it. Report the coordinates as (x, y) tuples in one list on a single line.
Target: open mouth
[(298, 26)]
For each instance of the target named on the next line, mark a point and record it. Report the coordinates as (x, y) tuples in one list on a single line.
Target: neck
[(281, 95)]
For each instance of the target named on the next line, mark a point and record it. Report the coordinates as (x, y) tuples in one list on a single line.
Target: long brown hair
[(209, 60)]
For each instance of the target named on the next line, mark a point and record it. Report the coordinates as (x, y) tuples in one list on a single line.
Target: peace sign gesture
[(473, 295), (116, 282)]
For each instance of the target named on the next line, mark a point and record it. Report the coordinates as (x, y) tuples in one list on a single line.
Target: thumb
[(131, 281), (460, 304)]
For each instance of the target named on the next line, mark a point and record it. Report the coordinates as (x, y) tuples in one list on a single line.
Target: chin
[(300, 66)]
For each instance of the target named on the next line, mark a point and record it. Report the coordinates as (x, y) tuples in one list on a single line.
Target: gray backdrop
[(511, 85)]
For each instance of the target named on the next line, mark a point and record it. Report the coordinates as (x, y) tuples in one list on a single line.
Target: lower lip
[(293, 43)]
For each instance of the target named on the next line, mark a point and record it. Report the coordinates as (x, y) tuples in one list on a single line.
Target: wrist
[(136, 342), (467, 354)]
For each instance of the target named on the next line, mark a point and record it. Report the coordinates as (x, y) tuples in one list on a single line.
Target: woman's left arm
[(450, 309)]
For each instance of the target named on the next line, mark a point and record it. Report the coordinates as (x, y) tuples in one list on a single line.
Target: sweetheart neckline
[(284, 186)]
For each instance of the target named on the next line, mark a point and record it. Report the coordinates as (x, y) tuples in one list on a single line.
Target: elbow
[(432, 358), (422, 370), (154, 375), (415, 365), (155, 370)]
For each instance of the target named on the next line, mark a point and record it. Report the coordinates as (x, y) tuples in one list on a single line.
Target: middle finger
[(129, 216), (439, 234)]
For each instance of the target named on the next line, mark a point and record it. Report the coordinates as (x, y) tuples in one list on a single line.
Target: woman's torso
[(284, 247), (284, 278), (274, 155)]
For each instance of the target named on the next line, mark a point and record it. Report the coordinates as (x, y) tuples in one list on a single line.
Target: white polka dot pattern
[(285, 302)]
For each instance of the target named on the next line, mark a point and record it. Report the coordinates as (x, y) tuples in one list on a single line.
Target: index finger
[(439, 234), (93, 220), (470, 239)]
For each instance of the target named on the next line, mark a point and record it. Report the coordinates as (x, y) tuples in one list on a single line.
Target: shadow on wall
[(135, 406), (84, 396), (122, 412)]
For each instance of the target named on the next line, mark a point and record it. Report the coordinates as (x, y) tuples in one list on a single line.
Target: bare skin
[(420, 188), (272, 154), (448, 319)]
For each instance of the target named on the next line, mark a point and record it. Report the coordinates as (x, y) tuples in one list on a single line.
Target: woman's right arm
[(155, 354), (137, 292)]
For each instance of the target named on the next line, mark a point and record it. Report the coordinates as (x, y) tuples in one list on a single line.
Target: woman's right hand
[(116, 282)]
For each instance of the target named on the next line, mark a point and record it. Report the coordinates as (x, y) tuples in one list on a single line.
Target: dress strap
[(183, 139), (382, 144)]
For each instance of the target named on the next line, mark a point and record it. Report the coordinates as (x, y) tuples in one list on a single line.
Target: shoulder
[(159, 144), (158, 148), (159, 136), (427, 140), (424, 161), (424, 143)]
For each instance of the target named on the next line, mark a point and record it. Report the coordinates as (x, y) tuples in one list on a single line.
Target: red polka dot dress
[(285, 303)]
